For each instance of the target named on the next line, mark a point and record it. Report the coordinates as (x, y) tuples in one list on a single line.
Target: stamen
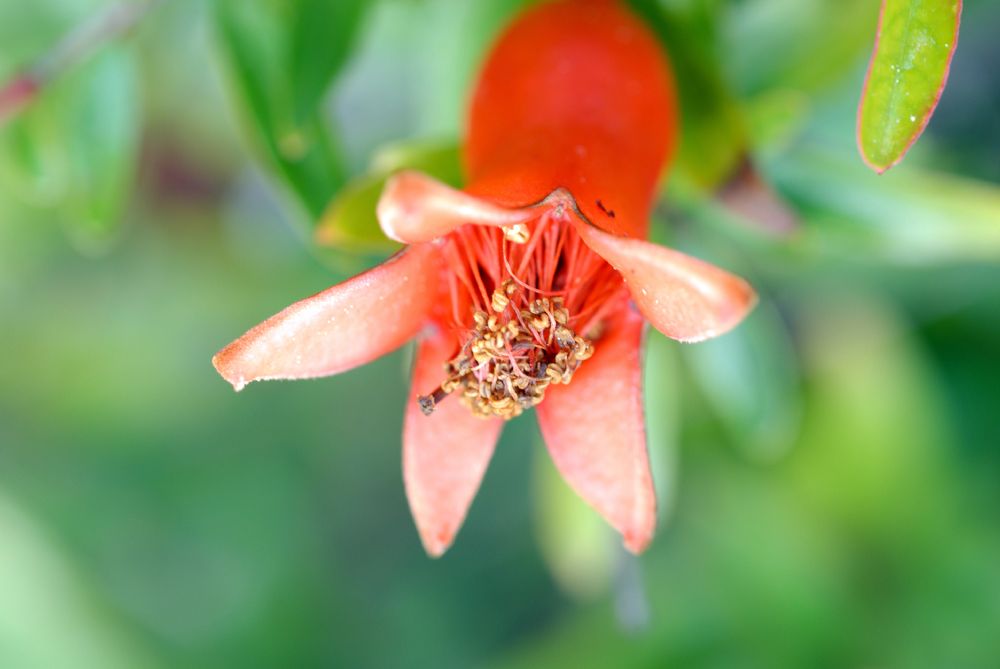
[(506, 367), (537, 296), (517, 233)]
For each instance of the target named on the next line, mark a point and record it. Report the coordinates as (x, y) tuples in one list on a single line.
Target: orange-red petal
[(416, 208), (595, 429), (342, 327), (445, 454), (684, 298)]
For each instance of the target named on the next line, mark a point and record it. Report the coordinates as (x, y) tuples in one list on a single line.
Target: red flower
[(532, 287)]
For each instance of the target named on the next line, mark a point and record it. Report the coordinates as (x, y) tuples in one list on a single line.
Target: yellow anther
[(504, 367), (516, 233)]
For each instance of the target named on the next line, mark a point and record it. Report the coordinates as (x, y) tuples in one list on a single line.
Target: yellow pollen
[(512, 357)]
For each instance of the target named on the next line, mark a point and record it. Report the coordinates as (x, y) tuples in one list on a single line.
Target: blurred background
[(829, 473)]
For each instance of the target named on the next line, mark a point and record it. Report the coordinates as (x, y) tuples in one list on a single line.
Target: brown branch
[(75, 47)]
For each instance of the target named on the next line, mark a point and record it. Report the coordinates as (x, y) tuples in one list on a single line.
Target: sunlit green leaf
[(283, 56), (907, 74), (349, 222)]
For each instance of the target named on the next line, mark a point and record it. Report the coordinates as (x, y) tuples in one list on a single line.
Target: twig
[(75, 47)]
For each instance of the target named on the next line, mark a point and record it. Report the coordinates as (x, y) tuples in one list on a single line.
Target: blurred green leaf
[(33, 164), (776, 116), (714, 135), (45, 599), (322, 37), (349, 223), (576, 543), (441, 160), (909, 216), (871, 381), (461, 33), (103, 127), (750, 378), (75, 148), (283, 56), (27, 29), (662, 393), (913, 51), (802, 45)]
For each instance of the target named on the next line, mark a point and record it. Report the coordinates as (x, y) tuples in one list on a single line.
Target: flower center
[(513, 355), (532, 289)]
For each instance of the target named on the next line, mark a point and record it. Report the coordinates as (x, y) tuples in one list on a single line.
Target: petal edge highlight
[(339, 328)]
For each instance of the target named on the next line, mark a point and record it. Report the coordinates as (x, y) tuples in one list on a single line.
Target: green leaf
[(103, 137), (909, 216), (75, 148), (576, 543), (283, 56), (750, 378), (349, 222), (662, 397), (908, 71), (45, 598), (322, 36), (799, 45), (714, 134), (871, 380)]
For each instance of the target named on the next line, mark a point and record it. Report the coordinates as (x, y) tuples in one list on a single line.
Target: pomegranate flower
[(532, 286)]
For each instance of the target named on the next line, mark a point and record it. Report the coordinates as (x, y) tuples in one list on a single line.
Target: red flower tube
[(532, 286)]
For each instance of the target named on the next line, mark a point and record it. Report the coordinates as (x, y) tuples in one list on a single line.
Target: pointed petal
[(416, 208), (595, 429), (445, 454), (342, 327), (684, 298)]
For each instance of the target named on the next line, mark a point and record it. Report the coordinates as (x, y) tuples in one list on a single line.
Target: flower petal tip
[(685, 298), (437, 543), (637, 543), (742, 301), (395, 210), (237, 381), (415, 208)]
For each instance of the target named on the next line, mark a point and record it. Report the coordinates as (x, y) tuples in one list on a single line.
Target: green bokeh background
[(829, 473)]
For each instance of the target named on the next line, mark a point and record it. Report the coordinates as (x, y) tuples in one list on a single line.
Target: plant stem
[(75, 47)]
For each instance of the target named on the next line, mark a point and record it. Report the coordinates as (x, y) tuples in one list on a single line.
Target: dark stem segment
[(429, 402), (75, 47)]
